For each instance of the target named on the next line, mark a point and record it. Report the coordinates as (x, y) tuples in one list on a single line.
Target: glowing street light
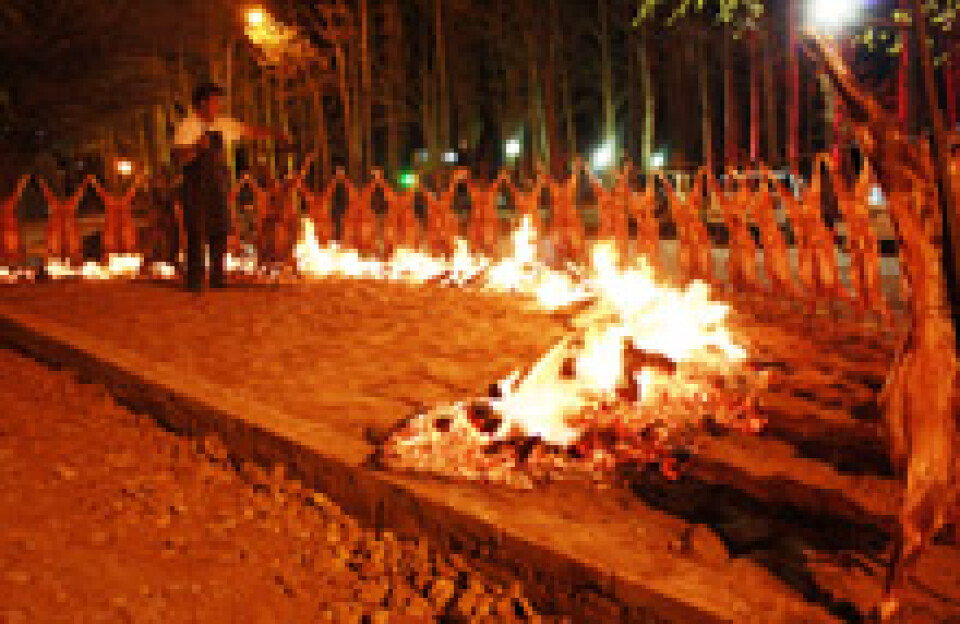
[(832, 15), (602, 158), (256, 17), (124, 167), (408, 180), (513, 148), (658, 160)]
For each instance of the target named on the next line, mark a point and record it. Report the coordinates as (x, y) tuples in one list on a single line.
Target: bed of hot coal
[(618, 435)]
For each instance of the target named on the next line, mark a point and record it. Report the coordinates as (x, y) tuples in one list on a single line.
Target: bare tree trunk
[(444, 91), (268, 114), (323, 140), (706, 110), (731, 139), (162, 148), (632, 99), (550, 97), (393, 26), (366, 85), (232, 153), (950, 82), (428, 113), (607, 94), (649, 103), (283, 113), (833, 123), (793, 79), (754, 101), (357, 126), (903, 81), (533, 103), (183, 81), (145, 156), (770, 89), (566, 97), (501, 68), (346, 102), (252, 111)]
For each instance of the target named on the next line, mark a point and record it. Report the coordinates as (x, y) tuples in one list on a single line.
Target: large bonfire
[(643, 365)]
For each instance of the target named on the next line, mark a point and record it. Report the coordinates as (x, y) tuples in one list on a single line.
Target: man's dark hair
[(204, 92)]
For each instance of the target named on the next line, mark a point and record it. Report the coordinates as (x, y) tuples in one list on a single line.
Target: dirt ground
[(354, 354), (107, 518)]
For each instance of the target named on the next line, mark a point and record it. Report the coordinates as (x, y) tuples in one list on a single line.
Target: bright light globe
[(832, 15), (603, 157)]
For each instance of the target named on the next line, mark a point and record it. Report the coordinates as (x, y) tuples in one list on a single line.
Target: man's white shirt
[(192, 127)]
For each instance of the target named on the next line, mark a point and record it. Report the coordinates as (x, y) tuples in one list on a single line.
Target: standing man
[(200, 145)]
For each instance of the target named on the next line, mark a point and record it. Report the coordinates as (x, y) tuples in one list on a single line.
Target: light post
[(602, 158), (124, 167), (832, 16), (408, 180), (256, 17), (658, 160), (512, 149)]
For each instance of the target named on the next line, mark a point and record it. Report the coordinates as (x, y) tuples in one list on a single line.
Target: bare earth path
[(106, 518)]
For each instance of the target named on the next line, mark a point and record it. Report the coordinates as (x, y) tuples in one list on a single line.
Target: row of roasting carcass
[(799, 258)]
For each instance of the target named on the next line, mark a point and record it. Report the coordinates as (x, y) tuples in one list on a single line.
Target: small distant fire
[(518, 273)]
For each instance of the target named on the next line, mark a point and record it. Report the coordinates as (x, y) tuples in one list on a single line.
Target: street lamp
[(513, 148), (603, 157), (256, 17), (658, 160), (408, 180), (832, 15)]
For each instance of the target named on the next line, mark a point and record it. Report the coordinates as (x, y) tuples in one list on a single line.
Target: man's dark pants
[(206, 216)]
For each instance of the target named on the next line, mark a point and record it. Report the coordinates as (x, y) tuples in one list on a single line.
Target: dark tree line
[(373, 81)]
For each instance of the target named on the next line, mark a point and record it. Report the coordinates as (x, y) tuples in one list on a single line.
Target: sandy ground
[(107, 518), (354, 354)]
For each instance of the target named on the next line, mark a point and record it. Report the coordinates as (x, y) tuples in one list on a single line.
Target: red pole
[(754, 103), (950, 73), (903, 83), (793, 107), (837, 129), (730, 134)]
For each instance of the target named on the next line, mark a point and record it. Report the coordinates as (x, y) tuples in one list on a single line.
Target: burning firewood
[(626, 385)]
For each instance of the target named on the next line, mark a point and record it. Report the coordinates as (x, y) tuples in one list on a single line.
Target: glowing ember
[(124, 265), (523, 273), (412, 266), (163, 270), (14, 275), (124, 167), (240, 264), (58, 269), (93, 271), (465, 267)]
